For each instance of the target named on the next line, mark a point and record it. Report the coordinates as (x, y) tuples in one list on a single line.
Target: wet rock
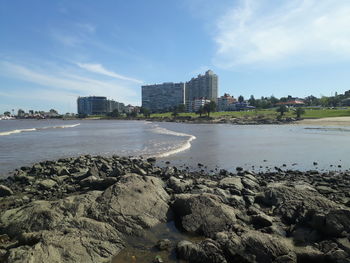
[(164, 244), (5, 191), (187, 250)]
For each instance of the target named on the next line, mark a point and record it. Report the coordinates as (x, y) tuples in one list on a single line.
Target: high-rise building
[(204, 86), (95, 105), (92, 105), (163, 97)]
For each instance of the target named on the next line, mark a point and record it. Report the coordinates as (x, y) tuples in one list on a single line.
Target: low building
[(225, 102), (292, 103), (194, 105)]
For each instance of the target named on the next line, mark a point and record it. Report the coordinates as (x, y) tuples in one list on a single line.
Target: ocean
[(219, 146)]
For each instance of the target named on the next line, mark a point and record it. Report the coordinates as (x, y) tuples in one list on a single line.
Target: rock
[(163, 244), (5, 191), (151, 160), (203, 214), (61, 226), (250, 184), (233, 183), (63, 171), (89, 181), (254, 246), (335, 223), (293, 204), (47, 184), (186, 250), (261, 220), (179, 185), (344, 243), (134, 203)]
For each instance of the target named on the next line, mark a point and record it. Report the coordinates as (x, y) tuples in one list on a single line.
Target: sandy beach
[(334, 121)]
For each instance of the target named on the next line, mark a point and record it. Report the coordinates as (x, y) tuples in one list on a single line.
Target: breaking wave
[(182, 147), (6, 133)]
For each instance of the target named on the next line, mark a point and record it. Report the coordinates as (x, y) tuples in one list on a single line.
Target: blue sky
[(51, 52)]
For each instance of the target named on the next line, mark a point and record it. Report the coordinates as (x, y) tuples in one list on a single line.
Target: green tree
[(200, 111), (240, 99), (7, 113), (282, 109), (146, 112), (299, 111), (181, 108), (115, 113), (53, 111), (209, 107), (252, 100), (175, 113)]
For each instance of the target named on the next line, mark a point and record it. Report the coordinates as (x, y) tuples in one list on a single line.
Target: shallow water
[(24, 142), (142, 249)]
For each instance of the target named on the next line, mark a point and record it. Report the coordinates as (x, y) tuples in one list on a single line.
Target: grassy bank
[(315, 113)]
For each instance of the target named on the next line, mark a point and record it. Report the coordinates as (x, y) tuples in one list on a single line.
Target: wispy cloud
[(61, 83), (98, 68), (259, 33)]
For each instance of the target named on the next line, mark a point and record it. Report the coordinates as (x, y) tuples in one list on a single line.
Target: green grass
[(269, 113), (326, 113)]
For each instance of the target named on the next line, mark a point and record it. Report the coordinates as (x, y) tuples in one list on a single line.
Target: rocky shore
[(85, 209), (252, 120)]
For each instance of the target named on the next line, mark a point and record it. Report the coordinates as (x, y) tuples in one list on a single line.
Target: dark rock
[(164, 244), (261, 220), (5, 191)]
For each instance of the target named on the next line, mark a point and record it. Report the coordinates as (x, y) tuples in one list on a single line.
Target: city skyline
[(53, 52)]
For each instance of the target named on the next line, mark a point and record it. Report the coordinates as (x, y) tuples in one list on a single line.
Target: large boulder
[(203, 213), (134, 203), (292, 203), (256, 247), (87, 227), (335, 223), (62, 231)]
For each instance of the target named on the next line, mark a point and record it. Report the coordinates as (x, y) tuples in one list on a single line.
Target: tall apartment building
[(92, 105), (161, 97), (204, 86), (96, 105)]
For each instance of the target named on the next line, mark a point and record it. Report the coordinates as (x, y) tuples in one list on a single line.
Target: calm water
[(23, 142)]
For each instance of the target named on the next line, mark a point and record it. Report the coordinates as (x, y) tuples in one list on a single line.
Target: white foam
[(6, 133), (184, 146), (16, 131)]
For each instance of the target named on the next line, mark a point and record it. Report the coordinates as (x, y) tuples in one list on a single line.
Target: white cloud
[(98, 68), (259, 33), (69, 84)]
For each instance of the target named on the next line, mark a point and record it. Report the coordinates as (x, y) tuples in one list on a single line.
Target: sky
[(51, 52)]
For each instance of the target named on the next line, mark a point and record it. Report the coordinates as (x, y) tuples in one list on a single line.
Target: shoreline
[(70, 205)]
